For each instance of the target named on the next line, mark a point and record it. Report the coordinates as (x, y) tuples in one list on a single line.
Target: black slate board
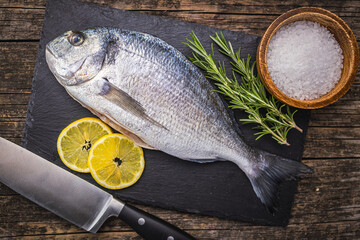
[(217, 189)]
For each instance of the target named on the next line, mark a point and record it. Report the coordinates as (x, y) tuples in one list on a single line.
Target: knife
[(73, 198)]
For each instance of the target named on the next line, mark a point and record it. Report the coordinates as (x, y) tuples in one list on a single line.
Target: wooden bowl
[(342, 34)]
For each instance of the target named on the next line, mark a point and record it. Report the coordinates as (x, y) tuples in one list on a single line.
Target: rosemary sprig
[(250, 95), (254, 83)]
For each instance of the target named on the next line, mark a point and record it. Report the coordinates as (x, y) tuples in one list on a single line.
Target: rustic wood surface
[(327, 204)]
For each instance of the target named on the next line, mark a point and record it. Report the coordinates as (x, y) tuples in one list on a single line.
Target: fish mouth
[(48, 50), (63, 78), (50, 59)]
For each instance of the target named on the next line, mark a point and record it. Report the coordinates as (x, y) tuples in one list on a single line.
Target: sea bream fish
[(150, 92)]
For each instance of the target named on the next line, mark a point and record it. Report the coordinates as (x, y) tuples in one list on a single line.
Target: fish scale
[(148, 90), (160, 83), (156, 84)]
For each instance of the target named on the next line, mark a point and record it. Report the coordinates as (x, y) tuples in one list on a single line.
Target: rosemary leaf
[(249, 96), (271, 104)]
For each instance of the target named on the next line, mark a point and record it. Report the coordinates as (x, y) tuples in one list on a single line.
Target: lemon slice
[(116, 162), (75, 141)]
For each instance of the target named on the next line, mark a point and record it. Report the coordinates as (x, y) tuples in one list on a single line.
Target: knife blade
[(73, 198)]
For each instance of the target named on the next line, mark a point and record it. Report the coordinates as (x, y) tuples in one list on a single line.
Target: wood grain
[(327, 205), (246, 16)]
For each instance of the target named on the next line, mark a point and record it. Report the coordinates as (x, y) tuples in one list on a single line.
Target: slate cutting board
[(217, 189)]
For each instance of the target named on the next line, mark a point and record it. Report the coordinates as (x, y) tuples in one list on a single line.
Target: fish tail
[(269, 171)]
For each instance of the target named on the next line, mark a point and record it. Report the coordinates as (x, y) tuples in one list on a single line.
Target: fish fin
[(125, 101), (200, 160), (273, 170), (119, 127), (206, 160)]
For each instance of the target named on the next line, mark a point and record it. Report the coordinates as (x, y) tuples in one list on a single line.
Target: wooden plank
[(339, 230), (17, 62), (11, 129), (233, 230), (23, 4), (229, 230), (346, 7), (10, 113), (14, 98), (344, 113), (21, 22), (334, 142), (330, 194), (329, 231)]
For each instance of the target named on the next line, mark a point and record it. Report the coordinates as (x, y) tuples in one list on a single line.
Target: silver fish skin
[(149, 91)]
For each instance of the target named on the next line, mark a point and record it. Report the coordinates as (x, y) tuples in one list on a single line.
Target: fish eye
[(76, 39)]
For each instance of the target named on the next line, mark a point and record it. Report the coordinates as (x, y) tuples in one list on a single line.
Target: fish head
[(77, 56)]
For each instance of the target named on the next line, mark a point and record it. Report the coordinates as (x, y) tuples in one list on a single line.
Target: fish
[(149, 91)]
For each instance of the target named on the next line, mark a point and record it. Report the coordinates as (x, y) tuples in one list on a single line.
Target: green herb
[(250, 95)]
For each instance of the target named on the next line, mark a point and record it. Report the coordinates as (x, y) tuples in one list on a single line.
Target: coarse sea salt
[(304, 60)]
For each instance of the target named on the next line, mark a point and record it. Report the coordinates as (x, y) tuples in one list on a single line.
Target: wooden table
[(327, 204)]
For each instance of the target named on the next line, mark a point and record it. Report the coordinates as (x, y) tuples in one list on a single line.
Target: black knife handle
[(151, 227)]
